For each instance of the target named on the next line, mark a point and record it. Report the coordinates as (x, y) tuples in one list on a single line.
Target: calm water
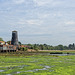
[(64, 54)]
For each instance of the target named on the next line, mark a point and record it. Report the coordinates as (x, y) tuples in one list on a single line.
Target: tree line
[(50, 47)]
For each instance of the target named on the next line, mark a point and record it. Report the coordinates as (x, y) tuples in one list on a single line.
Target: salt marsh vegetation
[(37, 65)]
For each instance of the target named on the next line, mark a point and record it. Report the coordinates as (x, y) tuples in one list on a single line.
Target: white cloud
[(70, 23), (47, 2), (42, 2), (56, 3), (51, 15), (58, 14), (21, 22), (43, 16), (30, 22), (18, 1), (34, 22)]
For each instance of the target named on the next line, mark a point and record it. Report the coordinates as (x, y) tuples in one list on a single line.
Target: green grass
[(37, 65)]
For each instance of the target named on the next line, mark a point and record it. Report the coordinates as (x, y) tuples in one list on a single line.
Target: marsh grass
[(37, 65)]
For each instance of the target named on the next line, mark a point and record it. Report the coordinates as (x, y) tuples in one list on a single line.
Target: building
[(2, 42), (14, 40), (5, 47)]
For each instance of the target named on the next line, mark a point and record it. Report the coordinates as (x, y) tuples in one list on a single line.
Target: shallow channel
[(59, 54)]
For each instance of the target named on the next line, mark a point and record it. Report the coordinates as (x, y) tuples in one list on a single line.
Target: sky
[(38, 21)]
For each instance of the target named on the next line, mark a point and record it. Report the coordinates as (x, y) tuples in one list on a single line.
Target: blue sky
[(38, 21)]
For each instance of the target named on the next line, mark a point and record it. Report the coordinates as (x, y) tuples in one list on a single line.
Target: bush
[(36, 49), (24, 48)]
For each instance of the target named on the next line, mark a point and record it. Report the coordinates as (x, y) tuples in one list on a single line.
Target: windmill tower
[(14, 40)]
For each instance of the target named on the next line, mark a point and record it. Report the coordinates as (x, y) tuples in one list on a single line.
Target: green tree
[(65, 48), (36, 49), (60, 47), (1, 39), (56, 48), (31, 46), (24, 48), (8, 42), (19, 43), (41, 47), (70, 46)]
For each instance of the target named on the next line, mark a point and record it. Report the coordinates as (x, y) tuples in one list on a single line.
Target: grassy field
[(42, 51), (64, 51), (37, 65)]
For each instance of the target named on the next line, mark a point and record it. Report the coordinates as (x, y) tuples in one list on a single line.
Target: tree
[(65, 48), (19, 43), (71, 46), (8, 42), (24, 48), (1, 39), (30, 46), (60, 47), (36, 49), (41, 46), (56, 48)]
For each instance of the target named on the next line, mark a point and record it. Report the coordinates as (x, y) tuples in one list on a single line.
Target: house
[(8, 48), (2, 42)]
